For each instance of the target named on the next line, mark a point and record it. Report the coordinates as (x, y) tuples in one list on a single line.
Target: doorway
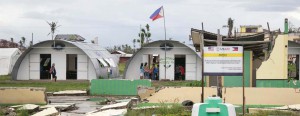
[(152, 61), (45, 65), (71, 66), (179, 69)]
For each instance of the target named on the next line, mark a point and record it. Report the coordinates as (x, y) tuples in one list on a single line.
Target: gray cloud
[(118, 21), (271, 5)]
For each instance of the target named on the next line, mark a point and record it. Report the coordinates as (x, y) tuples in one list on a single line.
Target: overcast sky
[(117, 22)]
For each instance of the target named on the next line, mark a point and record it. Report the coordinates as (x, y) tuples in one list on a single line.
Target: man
[(53, 72)]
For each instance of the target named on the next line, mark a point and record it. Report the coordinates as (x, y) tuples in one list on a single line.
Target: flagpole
[(165, 43)]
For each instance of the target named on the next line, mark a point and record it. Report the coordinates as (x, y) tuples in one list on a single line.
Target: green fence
[(278, 83), (116, 87), (236, 81)]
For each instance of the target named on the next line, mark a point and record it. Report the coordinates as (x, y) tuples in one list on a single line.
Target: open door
[(71, 66), (180, 67), (44, 64)]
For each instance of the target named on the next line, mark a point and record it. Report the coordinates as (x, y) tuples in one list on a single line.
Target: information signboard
[(223, 61)]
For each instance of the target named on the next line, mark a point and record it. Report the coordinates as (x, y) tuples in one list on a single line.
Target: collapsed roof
[(255, 42)]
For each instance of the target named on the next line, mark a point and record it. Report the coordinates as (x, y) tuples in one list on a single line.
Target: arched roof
[(93, 51), (150, 45)]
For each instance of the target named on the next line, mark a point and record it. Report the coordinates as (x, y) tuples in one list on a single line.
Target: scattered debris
[(110, 112), (8, 111), (145, 107), (47, 112), (61, 106), (70, 92), (29, 107), (295, 107), (116, 106), (145, 92)]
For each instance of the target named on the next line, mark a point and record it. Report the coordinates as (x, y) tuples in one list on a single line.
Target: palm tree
[(53, 28), (134, 41), (21, 43), (230, 26), (145, 34), (23, 40)]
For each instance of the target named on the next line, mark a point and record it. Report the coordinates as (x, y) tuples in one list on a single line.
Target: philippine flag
[(157, 14), (235, 49), (210, 49)]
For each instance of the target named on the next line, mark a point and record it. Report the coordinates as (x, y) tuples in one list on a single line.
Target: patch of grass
[(153, 104), (158, 84), (49, 85), (5, 77), (121, 68), (274, 113), (163, 110), (22, 113)]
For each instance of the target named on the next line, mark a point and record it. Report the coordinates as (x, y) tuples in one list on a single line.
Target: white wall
[(57, 57), (133, 69)]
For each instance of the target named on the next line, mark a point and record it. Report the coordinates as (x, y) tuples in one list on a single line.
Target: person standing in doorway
[(152, 72), (146, 71), (177, 72), (181, 68), (155, 73), (53, 72), (141, 71)]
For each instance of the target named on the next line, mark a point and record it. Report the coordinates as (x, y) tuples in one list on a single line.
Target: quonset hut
[(177, 54), (73, 60)]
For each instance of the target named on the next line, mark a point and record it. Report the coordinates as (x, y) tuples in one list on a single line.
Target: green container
[(213, 106), (116, 87)]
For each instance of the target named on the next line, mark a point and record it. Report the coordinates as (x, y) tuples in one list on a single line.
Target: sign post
[(225, 61)]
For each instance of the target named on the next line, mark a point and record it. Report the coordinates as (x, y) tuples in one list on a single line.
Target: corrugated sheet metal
[(116, 87)]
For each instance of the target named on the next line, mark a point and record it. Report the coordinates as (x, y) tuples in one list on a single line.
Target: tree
[(145, 34), (53, 28), (134, 41), (23, 40), (230, 26)]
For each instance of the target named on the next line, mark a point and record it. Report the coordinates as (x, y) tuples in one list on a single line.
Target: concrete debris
[(60, 106), (29, 107), (295, 107), (70, 92), (256, 110), (123, 100), (116, 106), (8, 111), (145, 92), (146, 107), (47, 112), (110, 112)]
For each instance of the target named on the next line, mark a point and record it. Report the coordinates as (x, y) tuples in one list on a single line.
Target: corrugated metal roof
[(93, 51), (69, 37)]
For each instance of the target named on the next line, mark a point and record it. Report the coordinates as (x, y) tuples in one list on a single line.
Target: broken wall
[(22, 95)]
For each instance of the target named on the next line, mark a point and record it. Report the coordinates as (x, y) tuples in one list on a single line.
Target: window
[(102, 62)]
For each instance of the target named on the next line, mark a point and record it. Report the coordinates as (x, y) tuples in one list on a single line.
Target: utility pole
[(219, 87)]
